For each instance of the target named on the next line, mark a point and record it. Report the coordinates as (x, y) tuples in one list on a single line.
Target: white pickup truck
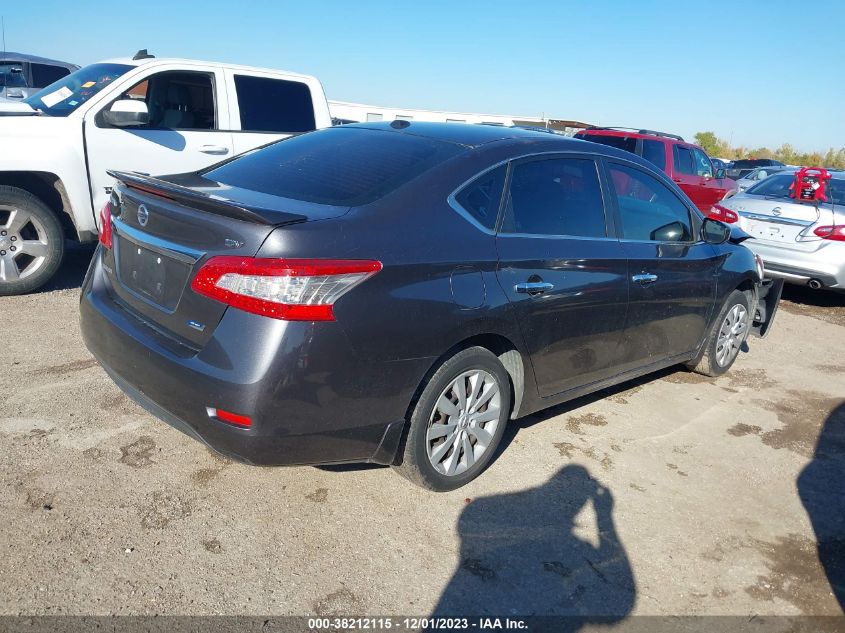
[(156, 116)]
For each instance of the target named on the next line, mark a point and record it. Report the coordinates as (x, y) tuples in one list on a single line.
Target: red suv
[(683, 162)]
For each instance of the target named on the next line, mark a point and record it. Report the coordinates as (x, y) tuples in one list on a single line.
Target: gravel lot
[(676, 494)]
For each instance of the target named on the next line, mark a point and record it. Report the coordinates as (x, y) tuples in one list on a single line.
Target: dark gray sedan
[(397, 293)]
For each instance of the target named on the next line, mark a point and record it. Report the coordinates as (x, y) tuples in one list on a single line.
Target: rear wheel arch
[(50, 190), (505, 351)]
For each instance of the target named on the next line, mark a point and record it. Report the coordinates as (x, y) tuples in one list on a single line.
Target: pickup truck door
[(188, 128), (268, 106)]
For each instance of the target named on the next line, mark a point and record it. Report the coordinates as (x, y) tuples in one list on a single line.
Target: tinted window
[(481, 197), (702, 163), (655, 152), (44, 74), (619, 142), (683, 160), (555, 197), (340, 165), (11, 75), (274, 105), (649, 210)]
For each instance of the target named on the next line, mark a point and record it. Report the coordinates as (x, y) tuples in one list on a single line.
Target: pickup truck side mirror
[(127, 113), (720, 173), (714, 232)]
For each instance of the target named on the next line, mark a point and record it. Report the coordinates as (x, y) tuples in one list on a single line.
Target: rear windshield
[(777, 186), (341, 166), (619, 142)]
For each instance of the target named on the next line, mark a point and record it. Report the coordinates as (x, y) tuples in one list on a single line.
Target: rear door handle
[(214, 149), (534, 287), (644, 279)]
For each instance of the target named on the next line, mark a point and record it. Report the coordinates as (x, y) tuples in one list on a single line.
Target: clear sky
[(755, 72)]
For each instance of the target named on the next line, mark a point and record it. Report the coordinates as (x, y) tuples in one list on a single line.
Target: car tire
[(451, 439), (726, 337), (31, 242)]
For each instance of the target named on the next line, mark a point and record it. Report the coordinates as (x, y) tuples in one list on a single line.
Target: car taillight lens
[(288, 289), (834, 232), (723, 214), (105, 226)]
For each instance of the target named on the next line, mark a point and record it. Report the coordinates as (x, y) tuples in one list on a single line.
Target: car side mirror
[(714, 232), (720, 173), (127, 113)]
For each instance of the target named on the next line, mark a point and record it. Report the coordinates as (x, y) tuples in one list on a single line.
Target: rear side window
[(649, 210), (274, 105), (619, 142), (683, 160), (655, 153), (559, 196), (343, 165), (45, 74), (482, 196)]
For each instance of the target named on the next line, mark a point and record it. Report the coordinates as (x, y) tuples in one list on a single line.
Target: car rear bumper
[(826, 264), (310, 400)]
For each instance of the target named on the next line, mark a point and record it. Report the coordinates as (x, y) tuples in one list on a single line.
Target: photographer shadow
[(821, 487), (520, 556)]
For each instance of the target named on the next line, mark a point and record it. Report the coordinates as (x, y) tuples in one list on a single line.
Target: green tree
[(708, 142)]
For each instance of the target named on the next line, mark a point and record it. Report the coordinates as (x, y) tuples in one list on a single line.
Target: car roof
[(466, 134), (10, 56)]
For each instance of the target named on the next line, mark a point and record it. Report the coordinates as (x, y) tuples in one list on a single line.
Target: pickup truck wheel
[(31, 242), (726, 337), (457, 421)]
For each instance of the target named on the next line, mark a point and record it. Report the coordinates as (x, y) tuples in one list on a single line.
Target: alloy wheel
[(731, 335), (23, 244), (464, 422)]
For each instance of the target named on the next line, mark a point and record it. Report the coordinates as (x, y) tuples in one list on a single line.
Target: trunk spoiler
[(203, 201)]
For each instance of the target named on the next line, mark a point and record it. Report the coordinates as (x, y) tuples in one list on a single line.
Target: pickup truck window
[(11, 75), (45, 74), (66, 95), (274, 105), (177, 100)]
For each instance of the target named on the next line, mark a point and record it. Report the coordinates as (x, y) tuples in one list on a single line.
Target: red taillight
[(105, 226), (289, 289), (723, 214), (242, 421), (834, 232)]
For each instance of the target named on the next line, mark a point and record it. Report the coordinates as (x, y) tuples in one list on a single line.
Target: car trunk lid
[(164, 229), (781, 221)]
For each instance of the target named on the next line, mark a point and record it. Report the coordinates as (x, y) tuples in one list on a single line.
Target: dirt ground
[(676, 494)]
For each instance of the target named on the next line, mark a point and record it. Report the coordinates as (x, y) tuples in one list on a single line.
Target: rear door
[(187, 129), (267, 107), (564, 275), (672, 273)]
